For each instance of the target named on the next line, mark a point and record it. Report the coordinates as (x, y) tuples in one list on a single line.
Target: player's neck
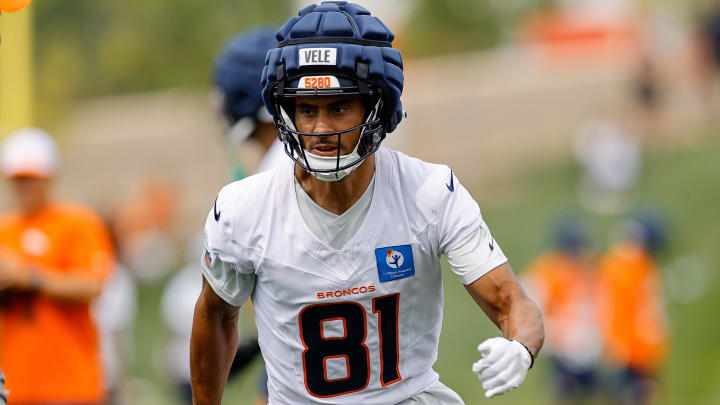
[(338, 196)]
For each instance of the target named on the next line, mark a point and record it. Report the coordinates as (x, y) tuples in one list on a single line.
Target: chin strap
[(329, 162), (373, 115)]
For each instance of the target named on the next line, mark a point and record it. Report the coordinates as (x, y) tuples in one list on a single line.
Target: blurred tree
[(87, 47), (449, 26)]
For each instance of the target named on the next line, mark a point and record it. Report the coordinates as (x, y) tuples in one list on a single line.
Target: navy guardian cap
[(335, 48)]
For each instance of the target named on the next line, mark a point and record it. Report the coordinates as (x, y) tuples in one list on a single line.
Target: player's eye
[(306, 111)]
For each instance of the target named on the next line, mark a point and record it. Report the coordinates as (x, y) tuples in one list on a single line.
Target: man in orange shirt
[(631, 310), (54, 259), (561, 282)]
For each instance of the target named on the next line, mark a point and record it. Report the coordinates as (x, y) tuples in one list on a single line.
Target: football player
[(562, 282), (237, 95), (629, 287), (340, 247)]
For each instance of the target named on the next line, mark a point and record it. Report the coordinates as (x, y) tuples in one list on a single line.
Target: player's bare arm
[(503, 300), (212, 346)]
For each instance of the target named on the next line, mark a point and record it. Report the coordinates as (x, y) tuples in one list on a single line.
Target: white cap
[(29, 152)]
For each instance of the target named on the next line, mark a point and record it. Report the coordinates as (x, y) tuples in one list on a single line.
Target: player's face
[(31, 193), (329, 114)]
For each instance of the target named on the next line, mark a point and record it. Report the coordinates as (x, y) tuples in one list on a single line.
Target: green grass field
[(681, 182)]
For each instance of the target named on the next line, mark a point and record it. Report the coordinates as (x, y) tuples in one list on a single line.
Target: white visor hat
[(29, 152)]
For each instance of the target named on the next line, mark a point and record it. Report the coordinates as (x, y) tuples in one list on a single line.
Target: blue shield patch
[(394, 262)]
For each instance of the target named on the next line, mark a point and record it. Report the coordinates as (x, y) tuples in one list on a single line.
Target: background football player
[(340, 246), (237, 96)]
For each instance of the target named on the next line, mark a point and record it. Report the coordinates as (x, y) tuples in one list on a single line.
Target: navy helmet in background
[(650, 231), (573, 235), (237, 76)]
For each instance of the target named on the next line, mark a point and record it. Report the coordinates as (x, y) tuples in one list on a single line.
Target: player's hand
[(503, 365), (5, 281), (12, 274)]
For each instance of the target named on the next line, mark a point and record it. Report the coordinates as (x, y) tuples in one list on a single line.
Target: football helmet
[(335, 48), (236, 77), (573, 235), (650, 231)]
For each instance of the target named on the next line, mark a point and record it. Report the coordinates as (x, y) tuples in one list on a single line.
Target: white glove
[(503, 365)]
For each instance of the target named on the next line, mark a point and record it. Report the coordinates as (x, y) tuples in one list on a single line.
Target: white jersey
[(358, 325), (177, 308), (114, 313)]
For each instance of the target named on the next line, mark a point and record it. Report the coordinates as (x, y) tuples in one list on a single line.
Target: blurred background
[(586, 129)]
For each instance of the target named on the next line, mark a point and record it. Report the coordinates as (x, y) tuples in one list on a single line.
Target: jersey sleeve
[(463, 234), (226, 265)]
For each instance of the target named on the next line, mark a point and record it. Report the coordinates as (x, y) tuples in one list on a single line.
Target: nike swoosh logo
[(215, 211), (451, 186), (492, 245)]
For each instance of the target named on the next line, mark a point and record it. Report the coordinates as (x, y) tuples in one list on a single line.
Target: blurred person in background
[(114, 313), (630, 309), (54, 259), (708, 59), (176, 308), (610, 156), (648, 95), (144, 228), (561, 282), (237, 96)]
